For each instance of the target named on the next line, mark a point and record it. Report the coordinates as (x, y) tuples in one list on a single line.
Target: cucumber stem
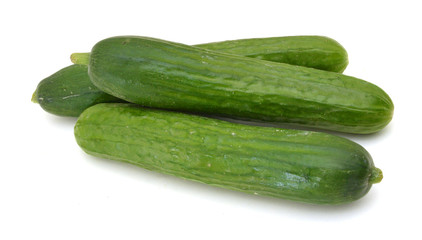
[(376, 175), (80, 58), (34, 98)]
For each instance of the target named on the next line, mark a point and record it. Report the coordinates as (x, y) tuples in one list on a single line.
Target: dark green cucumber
[(162, 74), (69, 92), (309, 51), (298, 165)]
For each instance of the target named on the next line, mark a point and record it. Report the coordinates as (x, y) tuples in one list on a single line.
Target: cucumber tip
[(34, 98), (376, 175)]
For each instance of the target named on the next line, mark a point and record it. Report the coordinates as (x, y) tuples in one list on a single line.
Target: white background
[(50, 189)]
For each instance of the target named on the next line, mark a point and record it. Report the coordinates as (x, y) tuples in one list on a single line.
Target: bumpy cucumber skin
[(309, 51), (297, 165), (162, 74), (69, 92)]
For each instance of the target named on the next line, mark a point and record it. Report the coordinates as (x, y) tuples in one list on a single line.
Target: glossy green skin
[(69, 92), (162, 74), (298, 165), (310, 51)]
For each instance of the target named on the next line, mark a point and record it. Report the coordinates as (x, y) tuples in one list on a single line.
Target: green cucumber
[(69, 92), (310, 51), (162, 74), (291, 164)]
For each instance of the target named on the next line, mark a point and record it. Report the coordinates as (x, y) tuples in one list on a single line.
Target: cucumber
[(298, 165), (69, 92), (162, 74), (310, 51)]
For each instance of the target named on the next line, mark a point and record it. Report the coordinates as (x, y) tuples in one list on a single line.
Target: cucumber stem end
[(376, 175), (80, 58)]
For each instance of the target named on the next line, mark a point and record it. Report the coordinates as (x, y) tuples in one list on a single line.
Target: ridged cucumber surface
[(163, 74), (69, 92), (309, 51), (298, 165)]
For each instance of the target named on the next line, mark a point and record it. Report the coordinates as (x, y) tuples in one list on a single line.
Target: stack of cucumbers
[(160, 104)]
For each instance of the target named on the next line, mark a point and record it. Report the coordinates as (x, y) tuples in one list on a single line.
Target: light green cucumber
[(303, 166), (309, 51)]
